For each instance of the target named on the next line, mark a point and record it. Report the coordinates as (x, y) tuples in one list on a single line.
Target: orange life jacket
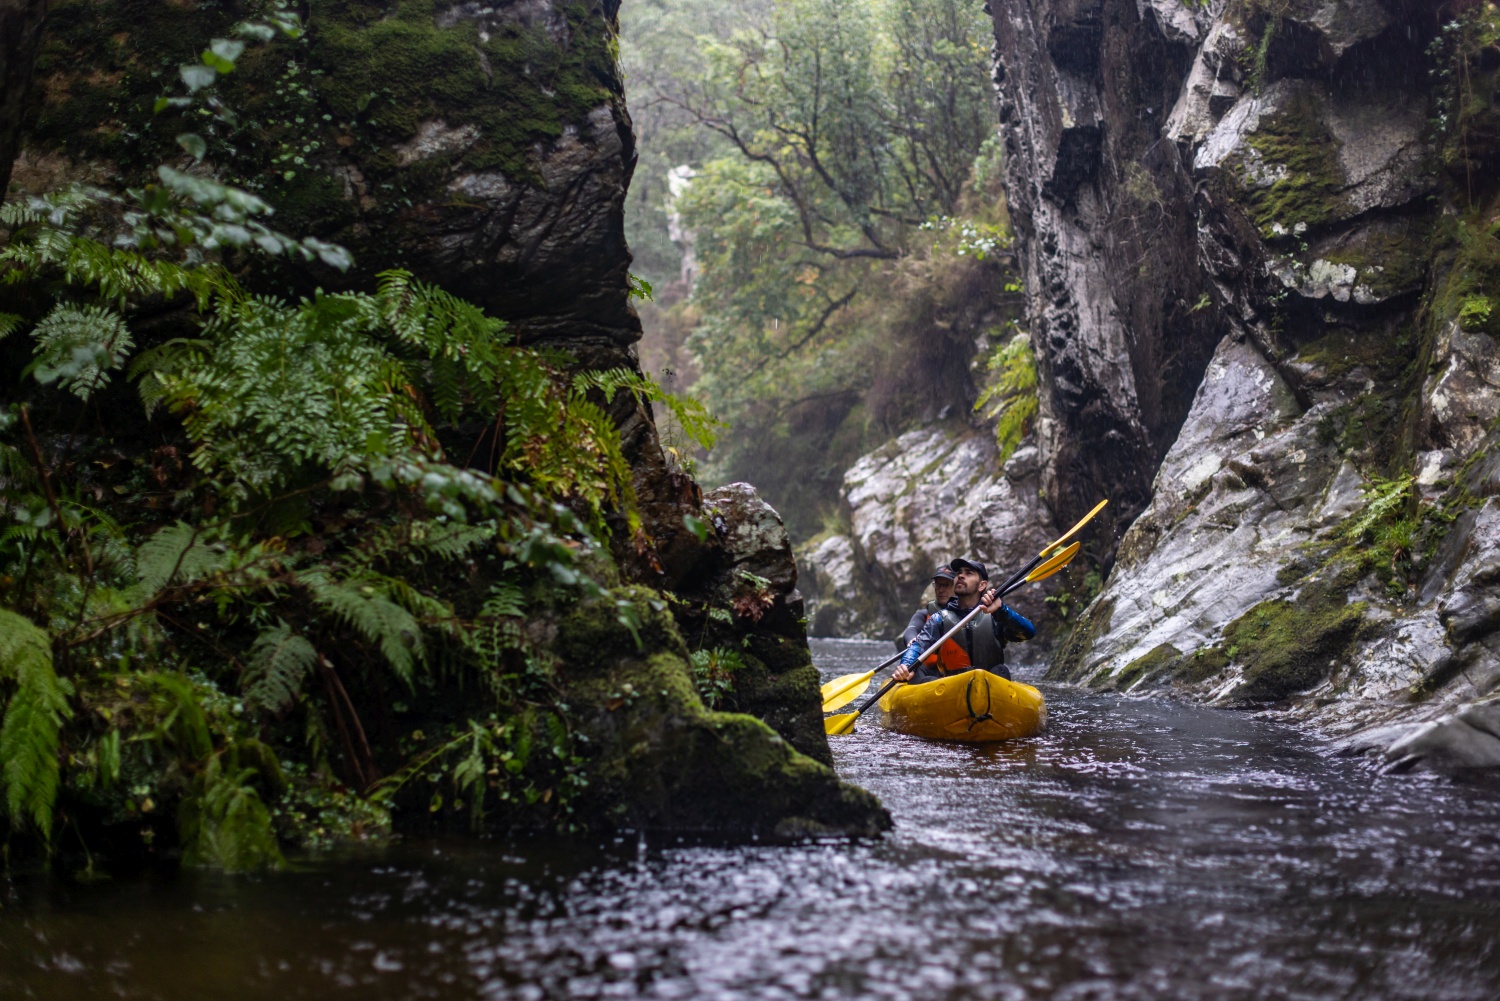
[(954, 657)]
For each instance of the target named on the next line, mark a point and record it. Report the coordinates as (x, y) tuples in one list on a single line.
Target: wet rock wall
[(487, 148), (1259, 241)]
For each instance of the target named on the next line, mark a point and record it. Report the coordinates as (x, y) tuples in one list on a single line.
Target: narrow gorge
[(1259, 246)]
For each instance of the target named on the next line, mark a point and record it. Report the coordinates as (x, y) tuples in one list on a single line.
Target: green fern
[(505, 601), (78, 346), (175, 554), (280, 660), (375, 617), (226, 824), (1011, 399), (29, 738)]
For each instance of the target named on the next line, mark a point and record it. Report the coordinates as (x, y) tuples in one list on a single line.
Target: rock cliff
[(487, 148), (1261, 251)]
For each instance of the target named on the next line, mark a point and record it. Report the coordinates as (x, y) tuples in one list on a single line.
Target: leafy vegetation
[(830, 170), (1011, 399), (254, 545)]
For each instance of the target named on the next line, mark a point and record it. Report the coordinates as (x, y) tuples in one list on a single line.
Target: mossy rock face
[(1158, 661), (660, 761), (1294, 177), (1288, 646), (1072, 655), (1166, 665), (486, 148)]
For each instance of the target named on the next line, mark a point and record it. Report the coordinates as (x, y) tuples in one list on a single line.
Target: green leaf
[(175, 554), (255, 31), (696, 525), (225, 824), (194, 144), (226, 49), (196, 77), (30, 736), (78, 346), (279, 664)]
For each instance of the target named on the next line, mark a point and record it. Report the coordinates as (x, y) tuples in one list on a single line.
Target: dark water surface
[(1138, 849)]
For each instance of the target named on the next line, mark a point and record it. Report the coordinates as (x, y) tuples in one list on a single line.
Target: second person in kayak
[(980, 644)]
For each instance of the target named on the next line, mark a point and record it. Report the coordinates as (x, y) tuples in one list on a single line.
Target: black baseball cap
[(963, 564), (943, 573)]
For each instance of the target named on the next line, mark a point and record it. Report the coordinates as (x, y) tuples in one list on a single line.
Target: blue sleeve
[(1011, 626), (930, 631)]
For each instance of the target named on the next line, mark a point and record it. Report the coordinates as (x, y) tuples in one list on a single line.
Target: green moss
[(1165, 664), (1384, 354), (1072, 654), (1390, 256), (1285, 647), (1366, 428), (1470, 285), (1209, 662), (519, 85), (1310, 192), (355, 87), (1160, 660)]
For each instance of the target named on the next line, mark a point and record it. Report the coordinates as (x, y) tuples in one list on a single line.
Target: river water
[(1138, 849)]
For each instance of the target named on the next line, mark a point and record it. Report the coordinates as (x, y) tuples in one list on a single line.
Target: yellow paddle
[(844, 722), (845, 689), (1040, 568)]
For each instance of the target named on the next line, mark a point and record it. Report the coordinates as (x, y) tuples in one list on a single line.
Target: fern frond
[(175, 554), (280, 660), (375, 617), (505, 601), (30, 735), (454, 541), (9, 324), (150, 368), (78, 346), (226, 824)]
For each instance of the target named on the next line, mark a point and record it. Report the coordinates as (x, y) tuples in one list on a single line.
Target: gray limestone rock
[(1232, 305), (919, 501), (1469, 738)]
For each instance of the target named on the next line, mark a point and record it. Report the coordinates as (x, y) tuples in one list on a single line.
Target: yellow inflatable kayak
[(974, 706)]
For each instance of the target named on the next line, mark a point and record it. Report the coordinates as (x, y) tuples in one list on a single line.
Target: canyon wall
[(1261, 254), (487, 149)]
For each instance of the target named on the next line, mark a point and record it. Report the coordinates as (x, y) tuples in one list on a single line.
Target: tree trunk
[(20, 38)]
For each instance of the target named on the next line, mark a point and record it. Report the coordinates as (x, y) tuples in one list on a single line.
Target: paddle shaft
[(1018, 577), (1016, 580)]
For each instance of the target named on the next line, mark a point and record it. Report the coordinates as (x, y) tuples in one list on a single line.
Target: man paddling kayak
[(942, 586), (980, 644)]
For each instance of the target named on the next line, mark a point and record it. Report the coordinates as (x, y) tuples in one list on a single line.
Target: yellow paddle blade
[(838, 726), (1055, 564), (847, 696), (833, 689), (1074, 530)]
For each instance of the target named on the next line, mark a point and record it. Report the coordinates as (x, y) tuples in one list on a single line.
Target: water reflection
[(1138, 849)]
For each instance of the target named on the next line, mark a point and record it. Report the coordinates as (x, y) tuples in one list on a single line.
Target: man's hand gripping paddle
[(847, 687), (841, 691)]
